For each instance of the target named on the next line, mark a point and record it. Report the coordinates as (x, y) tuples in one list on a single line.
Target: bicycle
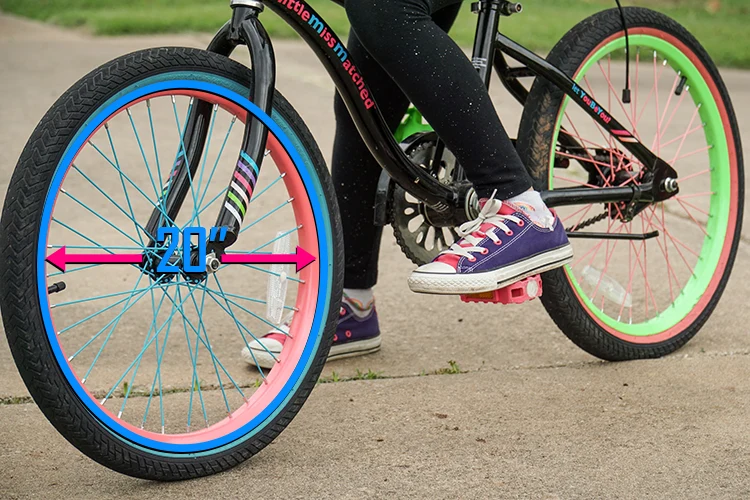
[(133, 405)]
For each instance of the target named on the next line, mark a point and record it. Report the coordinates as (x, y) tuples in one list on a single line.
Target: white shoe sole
[(348, 350), (457, 284)]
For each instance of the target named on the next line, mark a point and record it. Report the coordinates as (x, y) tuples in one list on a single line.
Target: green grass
[(723, 32)]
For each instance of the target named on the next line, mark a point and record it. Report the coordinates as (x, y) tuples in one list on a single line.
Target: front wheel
[(140, 368), (629, 299)]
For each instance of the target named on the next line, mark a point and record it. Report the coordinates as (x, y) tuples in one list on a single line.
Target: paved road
[(532, 416)]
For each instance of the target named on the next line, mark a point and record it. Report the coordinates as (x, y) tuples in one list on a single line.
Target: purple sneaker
[(355, 336), (502, 246)]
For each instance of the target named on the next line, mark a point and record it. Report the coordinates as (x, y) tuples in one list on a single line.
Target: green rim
[(719, 206)]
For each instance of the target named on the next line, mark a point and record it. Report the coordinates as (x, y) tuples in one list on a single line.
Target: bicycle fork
[(244, 28)]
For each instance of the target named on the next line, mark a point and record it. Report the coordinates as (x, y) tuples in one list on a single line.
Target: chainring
[(420, 241)]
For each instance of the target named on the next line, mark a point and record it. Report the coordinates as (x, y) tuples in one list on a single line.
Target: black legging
[(404, 53)]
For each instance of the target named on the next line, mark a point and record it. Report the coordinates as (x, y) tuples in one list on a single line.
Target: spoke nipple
[(119, 414), (162, 429), (234, 118), (148, 103), (290, 199), (103, 401), (216, 108), (62, 190), (83, 380), (268, 152), (173, 99), (283, 175), (106, 125), (665, 62), (127, 110)]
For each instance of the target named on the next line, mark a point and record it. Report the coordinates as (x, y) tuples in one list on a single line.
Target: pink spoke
[(612, 89), (705, 148), (666, 254), (631, 269), (575, 227), (692, 218), (676, 240), (645, 105), (690, 125), (579, 158), (693, 195), (674, 112), (595, 249), (695, 208), (669, 101), (608, 256), (579, 183), (656, 93), (690, 268), (606, 182), (689, 132), (691, 176), (634, 102)]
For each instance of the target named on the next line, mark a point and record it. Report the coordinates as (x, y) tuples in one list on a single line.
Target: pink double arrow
[(61, 258)]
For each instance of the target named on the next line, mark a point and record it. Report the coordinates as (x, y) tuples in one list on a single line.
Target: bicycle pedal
[(517, 293)]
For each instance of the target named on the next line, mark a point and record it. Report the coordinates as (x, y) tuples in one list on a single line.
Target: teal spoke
[(218, 158), (207, 148), (259, 193), (91, 316), (102, 218), (122, 181), (143, 153), (156, 153), (265, 216), (114, 322), (202, 326), (249, 299), (137, 188), (96, 186), (239, 306), (206, 343), (234, 317), (143, 351), (157, 310), (183, 151), (285, 233), (99, 297), (157, 375), (78, 233), (195, 383), (219, 195), (70, 271), (278, 237)]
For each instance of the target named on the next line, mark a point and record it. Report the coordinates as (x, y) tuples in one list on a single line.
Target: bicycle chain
[(587, 222)]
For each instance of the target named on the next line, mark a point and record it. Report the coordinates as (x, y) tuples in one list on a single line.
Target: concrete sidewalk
[(532, 416)]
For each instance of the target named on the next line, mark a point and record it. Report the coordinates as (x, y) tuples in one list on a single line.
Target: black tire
[(20, 302), (536, 135)]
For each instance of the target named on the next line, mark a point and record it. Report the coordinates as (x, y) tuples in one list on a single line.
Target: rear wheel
[(140, 368), (626, 299)]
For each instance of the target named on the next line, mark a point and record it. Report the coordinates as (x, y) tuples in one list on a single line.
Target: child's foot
[(357, 334), (503, 245)]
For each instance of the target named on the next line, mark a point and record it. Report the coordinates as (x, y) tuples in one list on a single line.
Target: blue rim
[(218, 86)]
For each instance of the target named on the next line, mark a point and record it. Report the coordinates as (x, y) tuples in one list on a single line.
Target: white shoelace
[(472, 234)]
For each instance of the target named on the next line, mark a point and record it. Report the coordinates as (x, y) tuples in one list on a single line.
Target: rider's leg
[(438, 78), (355, 176), (356, 173)]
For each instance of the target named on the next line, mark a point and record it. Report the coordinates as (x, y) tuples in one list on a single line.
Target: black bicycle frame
[(449, 203)]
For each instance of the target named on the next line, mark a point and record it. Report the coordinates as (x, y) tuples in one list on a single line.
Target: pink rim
[(306, 295)]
